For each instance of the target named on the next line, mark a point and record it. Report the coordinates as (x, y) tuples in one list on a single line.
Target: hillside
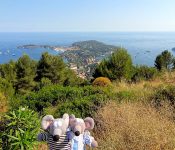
[(89, 53), (130, 121), (128, 118), (93, 46), (81, 57), (123, 100)]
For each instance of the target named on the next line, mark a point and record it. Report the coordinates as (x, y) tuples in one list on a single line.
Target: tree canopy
[(25, 73), (50, 67), (116, 66), (164, 61)]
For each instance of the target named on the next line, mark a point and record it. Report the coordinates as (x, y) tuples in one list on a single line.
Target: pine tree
[(116, 66), (25, 74), (164, 61), (8, 71), (50, 67)]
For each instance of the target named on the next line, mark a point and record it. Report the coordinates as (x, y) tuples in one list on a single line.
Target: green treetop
[(25, 73), (50, 67), (116, 66), (164, 61)]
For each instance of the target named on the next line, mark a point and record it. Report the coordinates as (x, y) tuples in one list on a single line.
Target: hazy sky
[(86, 15)]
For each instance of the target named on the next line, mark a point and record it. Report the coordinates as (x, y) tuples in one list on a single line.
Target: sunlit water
[(143, 47)]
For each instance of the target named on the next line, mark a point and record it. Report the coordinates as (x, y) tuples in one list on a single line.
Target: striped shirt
[(62, 144)]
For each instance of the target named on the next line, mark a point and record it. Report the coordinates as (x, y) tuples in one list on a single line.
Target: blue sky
[(86, 15)]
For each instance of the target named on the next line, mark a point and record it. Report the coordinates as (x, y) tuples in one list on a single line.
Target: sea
[(142, 46)]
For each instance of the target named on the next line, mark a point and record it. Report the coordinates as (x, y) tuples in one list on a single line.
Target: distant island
[(56, 48), (173, 49), (82, 57)]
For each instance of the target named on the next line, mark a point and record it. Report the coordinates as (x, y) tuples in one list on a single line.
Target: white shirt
[(80, 142)]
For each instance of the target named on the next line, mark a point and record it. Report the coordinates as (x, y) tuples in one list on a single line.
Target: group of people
[(67, 133)]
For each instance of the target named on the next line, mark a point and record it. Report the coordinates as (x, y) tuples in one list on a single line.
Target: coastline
[(56, 48)]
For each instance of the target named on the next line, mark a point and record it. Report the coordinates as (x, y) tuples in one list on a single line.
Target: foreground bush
[(134, 127), (164, 95), (19, 129), (58, 95), (144, 73), (101, 81), (82, 107), (6, 88)]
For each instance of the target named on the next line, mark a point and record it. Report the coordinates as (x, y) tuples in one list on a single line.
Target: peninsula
[(56, 48), (82, 57)]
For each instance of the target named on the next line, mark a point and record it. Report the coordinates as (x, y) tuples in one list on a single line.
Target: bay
[(143, 46)]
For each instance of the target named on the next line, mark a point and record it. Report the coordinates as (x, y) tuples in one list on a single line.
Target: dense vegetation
[(116, 67), (30, 89), (164, 61), (20, 129)]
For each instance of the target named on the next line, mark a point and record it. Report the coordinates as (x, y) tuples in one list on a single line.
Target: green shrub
[(7, 71), (101, 81), (118, 66), (45, 82), (144, 73), (58, 95), (6, 87), (51, 95), (82, 107), (125, 95), (71, 79), (20, 129), (164, 95)]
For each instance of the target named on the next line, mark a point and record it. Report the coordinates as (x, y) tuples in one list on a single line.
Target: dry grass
[(42, 146), (138, 86), (3, 105), (143, 90), (168, 77), (134, 126), (165, 78)]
